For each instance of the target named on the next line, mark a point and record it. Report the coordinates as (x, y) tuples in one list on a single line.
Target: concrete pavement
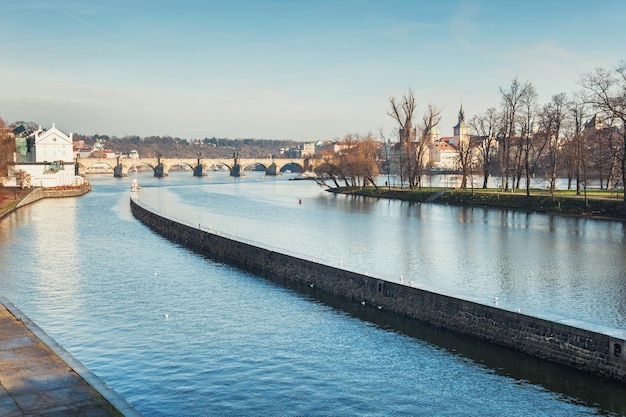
[(39, 378)]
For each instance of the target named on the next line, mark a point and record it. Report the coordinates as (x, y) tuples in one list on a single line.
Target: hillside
[(171, 147)]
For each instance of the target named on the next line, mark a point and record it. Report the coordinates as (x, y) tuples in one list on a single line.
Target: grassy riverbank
[(10, 196), (599, 204)]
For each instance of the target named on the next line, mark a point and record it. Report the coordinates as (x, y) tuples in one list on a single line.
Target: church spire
[(462, 130), (461, 123), (461, 115)]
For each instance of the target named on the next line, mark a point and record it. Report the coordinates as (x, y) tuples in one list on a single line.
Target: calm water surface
[(562, 268), (177, 334)]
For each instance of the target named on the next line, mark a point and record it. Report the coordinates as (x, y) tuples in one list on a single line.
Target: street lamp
[(387, 164)]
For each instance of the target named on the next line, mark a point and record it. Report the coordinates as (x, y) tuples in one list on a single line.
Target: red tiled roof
[(444, 146)]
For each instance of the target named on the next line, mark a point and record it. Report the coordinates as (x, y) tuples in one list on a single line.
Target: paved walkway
[(40, 378)]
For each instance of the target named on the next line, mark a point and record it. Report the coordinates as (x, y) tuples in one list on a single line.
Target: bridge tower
[(271, 170), (159, 170), (197, 170), (235, 171), (118, 170)]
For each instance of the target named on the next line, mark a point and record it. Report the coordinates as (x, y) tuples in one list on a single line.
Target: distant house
[(47, 156), (133, 154), (109, 154), (84, 152), (445, 156), (445, 150), (308, 150), (441, 153)]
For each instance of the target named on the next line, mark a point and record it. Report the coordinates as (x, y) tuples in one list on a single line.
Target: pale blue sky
[(303, 70)]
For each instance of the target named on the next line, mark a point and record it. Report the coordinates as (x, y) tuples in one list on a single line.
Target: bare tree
[(485, 125), (356, 163), (7, 147), (611, 152), (552, 122), (607, 93), (328, 168), (402, 112), (348, 160), (531, 145), (511, 102), (23, 178), (577, 155), (368, 150), (423, 147)]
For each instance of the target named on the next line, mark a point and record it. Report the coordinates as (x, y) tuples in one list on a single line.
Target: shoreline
[(599, 208), (71, 385), (41, 377), (12, 198)]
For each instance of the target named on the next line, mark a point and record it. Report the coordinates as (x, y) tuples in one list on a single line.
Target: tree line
[(579, 136), (175, 147)]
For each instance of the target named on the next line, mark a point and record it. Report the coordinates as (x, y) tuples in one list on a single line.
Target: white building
[(445, 152), (445, 156), (47, 156)]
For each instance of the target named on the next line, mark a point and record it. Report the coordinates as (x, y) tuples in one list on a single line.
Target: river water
[(180, 335)]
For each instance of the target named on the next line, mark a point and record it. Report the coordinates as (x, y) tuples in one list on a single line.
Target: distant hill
[(171, 147)]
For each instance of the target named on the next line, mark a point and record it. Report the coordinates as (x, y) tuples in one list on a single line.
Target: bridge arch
[(291, 167), (252, 166), (209, 164), (170, 164), (99, 167)]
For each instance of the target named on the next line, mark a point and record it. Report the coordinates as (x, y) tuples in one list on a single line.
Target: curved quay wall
[(589, 351)]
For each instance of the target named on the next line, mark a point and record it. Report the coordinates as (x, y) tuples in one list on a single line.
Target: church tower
[(461, 130)]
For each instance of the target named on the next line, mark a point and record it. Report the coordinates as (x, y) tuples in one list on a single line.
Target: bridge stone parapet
[(208, 164)]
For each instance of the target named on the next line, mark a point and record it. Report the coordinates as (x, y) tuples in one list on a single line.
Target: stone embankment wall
[(589, 351), (35, 195), (39, 193)]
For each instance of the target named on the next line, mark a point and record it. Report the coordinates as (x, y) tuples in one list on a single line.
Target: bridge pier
[(198, 170), (235, 171), (118, 171), (271, 170), (159, 169)]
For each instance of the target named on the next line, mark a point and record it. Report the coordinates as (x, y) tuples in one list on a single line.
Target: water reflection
[(544, 265), (588, 390), (235, 344), (55, 258)]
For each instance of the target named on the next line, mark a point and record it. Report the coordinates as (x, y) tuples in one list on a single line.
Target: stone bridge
[(161, 166)]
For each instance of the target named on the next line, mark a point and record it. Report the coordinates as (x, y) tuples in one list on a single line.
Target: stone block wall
[(578, 348)]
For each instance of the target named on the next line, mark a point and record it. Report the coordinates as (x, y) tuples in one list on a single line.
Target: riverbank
[(596, 206), (12, 198), (37, 376)]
